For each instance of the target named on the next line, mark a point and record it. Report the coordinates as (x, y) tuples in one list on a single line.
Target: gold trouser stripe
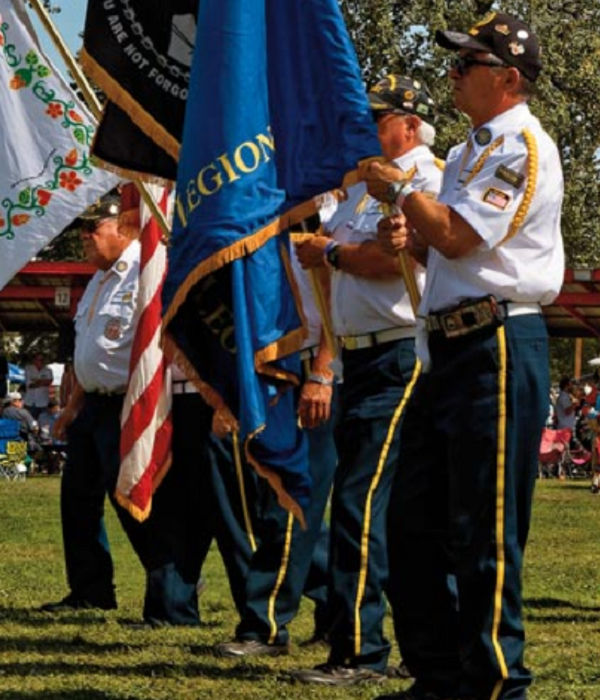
[(500, 511), (282, 572), (240, 477), (364, 544)]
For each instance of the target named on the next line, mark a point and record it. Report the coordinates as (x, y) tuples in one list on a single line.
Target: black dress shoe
[(329, 674), (72, 602), (250, 647), (400, 671)]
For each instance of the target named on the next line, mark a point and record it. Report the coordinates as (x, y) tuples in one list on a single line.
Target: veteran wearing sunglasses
[(461, 501), (374, 320)]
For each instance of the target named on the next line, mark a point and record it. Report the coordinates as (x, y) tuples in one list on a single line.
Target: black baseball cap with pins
[(108, 207), (401, 94), (502, 35)]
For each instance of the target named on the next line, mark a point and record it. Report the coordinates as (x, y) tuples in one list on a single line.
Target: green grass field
[(89, 656)]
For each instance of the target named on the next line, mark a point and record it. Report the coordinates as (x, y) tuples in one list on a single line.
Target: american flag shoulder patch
[(497, 198)]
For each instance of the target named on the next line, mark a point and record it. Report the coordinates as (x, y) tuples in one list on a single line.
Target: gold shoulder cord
[(532, 175), (480, 161)]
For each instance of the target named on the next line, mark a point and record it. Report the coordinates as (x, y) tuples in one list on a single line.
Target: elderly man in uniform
[(461, 501), (105, 324), (373, 317)]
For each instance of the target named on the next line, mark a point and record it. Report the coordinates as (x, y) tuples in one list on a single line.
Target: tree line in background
[(397, 36)]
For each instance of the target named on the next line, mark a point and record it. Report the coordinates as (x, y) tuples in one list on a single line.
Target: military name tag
[(511, 176)]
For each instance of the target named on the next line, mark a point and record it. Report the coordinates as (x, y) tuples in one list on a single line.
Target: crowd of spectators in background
[(36, 402)]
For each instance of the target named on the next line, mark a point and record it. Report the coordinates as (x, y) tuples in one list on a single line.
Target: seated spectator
[(46, 423), (29, 428), (52, 456), (14, 409)]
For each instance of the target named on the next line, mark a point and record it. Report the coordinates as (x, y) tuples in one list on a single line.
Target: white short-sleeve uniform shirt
[(365, 305), (506, 182), (105, 325)]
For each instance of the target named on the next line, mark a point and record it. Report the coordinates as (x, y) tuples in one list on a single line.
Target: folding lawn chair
[(13, 451), (554, 452)]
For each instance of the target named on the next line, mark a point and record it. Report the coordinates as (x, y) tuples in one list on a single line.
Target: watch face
[(394, 189), (333, 257)]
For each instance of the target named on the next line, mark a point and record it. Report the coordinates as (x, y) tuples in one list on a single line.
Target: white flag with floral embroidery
[(46, 178)]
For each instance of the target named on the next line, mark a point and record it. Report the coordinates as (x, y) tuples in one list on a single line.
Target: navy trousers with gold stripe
[(460, 510), (289, 562), (377, 384)]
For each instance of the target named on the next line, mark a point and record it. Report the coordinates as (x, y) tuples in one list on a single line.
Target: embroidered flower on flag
[(54, 110), (70, 181)]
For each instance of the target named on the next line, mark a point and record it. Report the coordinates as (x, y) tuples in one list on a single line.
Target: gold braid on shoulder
[(532, 176), (482, 159)]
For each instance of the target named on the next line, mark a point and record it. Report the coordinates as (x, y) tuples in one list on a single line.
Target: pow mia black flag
[(139, 52)]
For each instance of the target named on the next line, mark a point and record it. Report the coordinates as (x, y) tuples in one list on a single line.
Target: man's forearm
[(367, 259)]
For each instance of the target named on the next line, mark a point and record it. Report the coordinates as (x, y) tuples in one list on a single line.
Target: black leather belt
[(474, 314)]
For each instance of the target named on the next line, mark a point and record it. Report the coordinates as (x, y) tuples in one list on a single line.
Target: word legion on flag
[(225, 170)]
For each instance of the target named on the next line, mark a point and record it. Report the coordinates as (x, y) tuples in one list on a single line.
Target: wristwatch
[(319, 379), (394, 190), (331, 253)]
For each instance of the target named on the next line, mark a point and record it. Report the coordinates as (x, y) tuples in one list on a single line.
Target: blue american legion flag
[(276, 115)]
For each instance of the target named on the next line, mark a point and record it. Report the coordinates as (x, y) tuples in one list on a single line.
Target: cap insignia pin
[(502, 29), (516, 49)]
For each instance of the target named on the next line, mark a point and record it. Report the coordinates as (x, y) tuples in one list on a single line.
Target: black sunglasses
[(461, 64), (378, 115), (88, 226)]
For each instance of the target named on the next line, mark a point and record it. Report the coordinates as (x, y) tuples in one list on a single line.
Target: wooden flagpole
[(406, 267), (92, 101)]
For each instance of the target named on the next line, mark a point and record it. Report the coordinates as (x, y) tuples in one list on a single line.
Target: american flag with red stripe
[(146, 417)]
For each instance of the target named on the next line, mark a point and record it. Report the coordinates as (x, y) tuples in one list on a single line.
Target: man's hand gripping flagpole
[(386, 182)]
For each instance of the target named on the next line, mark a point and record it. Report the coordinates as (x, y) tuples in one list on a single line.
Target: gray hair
[(426, 134)]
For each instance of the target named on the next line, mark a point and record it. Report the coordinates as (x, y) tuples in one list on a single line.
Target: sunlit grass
[(93, 656)]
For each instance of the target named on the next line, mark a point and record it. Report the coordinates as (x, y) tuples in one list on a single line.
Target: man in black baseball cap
[(108, 207), (506, 38), (460, 508), (400, 94)]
